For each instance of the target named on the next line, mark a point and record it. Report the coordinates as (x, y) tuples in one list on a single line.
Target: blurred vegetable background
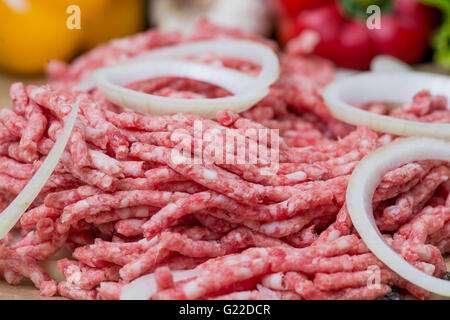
[(32, 32), (248, 15), (404, 30), (441, 39)]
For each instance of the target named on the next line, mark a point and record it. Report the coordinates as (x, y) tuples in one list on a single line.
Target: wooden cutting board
[(5, 83), (27, 291)]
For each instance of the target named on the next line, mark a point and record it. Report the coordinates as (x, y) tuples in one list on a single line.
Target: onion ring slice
[(389, 64), (341, 95), (143, 288), (12, 214), (242, 49), (361, 188), (111, 81)]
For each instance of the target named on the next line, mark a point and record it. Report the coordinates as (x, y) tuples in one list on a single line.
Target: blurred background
[(32, 32)]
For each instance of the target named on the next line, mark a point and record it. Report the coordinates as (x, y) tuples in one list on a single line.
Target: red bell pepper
[(406, 26), (294, 6)]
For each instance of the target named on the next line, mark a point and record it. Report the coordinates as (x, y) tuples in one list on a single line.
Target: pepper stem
[(358, 8)]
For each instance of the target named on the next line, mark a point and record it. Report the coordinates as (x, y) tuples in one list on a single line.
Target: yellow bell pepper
[(89, 8), (120, 19), (33, 32)]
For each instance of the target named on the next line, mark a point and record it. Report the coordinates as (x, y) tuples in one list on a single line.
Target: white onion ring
[(51, 265), (242, 49), (401, 87), (111, 80), (143, 288), (12, 214), (344, 73), (360, 190), (389, 64), (86, 85)]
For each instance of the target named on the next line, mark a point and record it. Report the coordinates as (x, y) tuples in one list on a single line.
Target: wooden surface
[(27, 291), (5, 83)]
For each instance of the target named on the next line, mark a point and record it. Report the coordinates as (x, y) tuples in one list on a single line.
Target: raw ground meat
[(124, 208)]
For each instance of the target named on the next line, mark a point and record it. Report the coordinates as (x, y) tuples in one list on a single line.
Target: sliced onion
[(361, 188), (342, 73), (389, 64), (341, 95), (242, 49), (145, 287), (51, 265), (12, 214), (111, 81), (86, 85)]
